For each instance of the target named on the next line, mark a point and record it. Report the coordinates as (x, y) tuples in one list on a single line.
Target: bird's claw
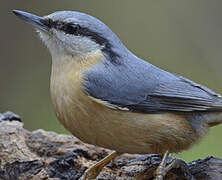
[(94, 171)]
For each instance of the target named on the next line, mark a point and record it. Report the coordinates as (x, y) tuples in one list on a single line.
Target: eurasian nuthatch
[(106, 96)]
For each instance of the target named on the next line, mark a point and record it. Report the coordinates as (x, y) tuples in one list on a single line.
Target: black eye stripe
[(76, 29), (48, 22), (70, 28)]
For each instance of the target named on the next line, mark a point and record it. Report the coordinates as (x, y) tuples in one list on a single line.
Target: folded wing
[(141, 87)]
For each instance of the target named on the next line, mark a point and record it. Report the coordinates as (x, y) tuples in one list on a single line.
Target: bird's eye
[(72, 28)]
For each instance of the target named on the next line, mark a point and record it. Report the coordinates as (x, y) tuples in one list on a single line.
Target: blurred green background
[(184, 37)]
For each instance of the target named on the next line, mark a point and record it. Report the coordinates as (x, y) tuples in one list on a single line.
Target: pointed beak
[(31, 19)]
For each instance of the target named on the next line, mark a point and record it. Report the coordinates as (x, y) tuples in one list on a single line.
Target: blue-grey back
[(140, 86)]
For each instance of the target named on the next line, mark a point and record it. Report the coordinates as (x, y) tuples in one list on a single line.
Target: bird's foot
[(94, 171), (163, 168)]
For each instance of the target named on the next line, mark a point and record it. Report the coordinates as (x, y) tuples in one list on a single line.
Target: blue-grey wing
[(141, 87)]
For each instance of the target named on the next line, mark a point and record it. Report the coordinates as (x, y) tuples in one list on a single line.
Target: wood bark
[(48, 155)]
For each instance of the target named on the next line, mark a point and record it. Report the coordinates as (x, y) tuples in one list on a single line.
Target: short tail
[(214, 119)]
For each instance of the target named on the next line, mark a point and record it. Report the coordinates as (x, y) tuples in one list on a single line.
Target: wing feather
[(141, 87)]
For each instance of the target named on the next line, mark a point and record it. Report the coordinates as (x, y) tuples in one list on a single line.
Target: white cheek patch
[(46, 38), (74, 44), (63, 46), (52, 43)]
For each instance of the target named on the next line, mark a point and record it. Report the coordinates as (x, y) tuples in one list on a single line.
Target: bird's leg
[(163, 169), (94, 171)]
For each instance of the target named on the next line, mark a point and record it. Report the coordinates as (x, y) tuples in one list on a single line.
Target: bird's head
[(75, 34)]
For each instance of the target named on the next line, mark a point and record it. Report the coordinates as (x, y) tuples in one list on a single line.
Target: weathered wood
[(48, 155)]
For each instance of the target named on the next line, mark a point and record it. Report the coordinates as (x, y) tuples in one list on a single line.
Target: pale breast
[(122, 131), (70, 102)]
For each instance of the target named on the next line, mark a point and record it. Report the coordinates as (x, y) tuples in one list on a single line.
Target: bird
[(107, 96)]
